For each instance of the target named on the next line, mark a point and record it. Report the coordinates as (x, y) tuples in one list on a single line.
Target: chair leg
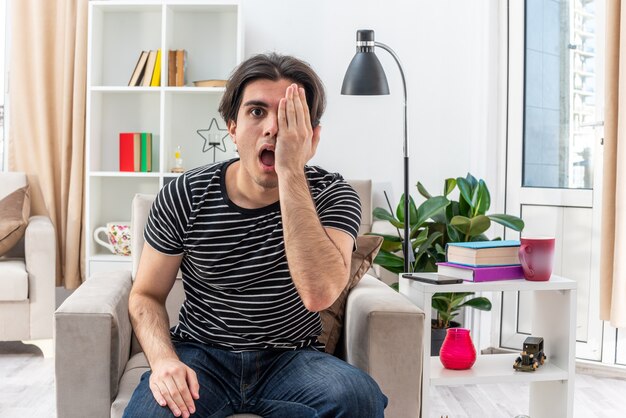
[(46, 346)]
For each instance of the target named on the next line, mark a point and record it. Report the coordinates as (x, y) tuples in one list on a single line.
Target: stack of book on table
[(482, 261)]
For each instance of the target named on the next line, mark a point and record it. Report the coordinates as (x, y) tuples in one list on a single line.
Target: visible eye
[(257, 112)]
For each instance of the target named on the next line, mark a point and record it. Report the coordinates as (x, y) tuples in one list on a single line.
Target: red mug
[(536, 256)]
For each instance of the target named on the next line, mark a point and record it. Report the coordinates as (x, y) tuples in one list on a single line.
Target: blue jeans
[(273, 383)]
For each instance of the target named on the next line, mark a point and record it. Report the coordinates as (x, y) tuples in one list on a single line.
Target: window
[(559, 97)]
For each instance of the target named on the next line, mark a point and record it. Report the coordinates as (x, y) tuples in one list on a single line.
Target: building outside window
[(560, 97)]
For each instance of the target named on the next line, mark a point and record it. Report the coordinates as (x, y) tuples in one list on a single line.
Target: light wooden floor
[(27, 390), (26, 382), (594, 397)]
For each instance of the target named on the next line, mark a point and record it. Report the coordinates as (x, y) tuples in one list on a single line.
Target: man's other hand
[(175, 384)]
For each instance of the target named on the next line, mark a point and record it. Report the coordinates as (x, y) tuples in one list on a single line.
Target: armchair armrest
[(40, 260), (92, 345), (384, 337)]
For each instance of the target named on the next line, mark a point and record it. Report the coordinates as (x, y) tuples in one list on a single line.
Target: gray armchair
[(27, 277), (99, 362)]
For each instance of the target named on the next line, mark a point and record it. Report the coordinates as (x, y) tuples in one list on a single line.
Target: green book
[(146, 151)]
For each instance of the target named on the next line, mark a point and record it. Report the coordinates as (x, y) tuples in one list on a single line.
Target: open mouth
[(267, 158)]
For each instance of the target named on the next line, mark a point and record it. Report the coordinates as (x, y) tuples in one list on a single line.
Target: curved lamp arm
[(409, 257), (406, 127)]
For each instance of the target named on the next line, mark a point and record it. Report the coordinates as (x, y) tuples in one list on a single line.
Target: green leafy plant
[(448, 306), (436, 222)]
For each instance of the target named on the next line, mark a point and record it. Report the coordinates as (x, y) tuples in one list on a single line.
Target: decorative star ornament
[(213, 137)]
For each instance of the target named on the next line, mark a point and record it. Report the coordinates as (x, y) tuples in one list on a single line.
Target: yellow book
[(156, 74)]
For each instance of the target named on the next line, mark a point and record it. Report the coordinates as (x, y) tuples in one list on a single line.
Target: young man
[(264, 243)]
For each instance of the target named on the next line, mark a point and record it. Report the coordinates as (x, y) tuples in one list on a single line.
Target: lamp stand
[(407, 247)]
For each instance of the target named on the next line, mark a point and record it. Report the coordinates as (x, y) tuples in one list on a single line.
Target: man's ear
[(316, 138), (232, 129)]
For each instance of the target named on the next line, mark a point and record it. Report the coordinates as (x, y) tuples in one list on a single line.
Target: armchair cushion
[(332, 318), (137, 365), (14, 213), (13, 280)]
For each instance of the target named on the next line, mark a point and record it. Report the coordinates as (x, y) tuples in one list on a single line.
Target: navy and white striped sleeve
[(339, 207), (168, 219)]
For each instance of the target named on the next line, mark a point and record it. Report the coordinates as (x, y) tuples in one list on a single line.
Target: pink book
[(480, 274)]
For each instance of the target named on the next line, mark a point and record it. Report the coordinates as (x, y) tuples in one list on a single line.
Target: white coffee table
[(553, 318)]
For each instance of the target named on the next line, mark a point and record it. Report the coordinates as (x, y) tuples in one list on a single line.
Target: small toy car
[(532, 357)]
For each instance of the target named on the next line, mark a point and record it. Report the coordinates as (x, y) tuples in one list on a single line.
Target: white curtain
[(613, 251)]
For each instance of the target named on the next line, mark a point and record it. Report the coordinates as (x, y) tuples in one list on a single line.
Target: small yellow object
[(178, 162)]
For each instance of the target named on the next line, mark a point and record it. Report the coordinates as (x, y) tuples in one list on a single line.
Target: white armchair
[(99, 362), (27, 277)]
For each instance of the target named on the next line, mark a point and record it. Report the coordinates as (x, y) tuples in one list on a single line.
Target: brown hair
[(273, 67)]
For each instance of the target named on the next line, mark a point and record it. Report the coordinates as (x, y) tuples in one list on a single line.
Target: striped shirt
[(239, 294)]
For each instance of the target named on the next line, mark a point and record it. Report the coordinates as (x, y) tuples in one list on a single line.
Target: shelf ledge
[(126, 89), (493, 368), (111, 258), (555, 283), (189, 89), (124, 174)]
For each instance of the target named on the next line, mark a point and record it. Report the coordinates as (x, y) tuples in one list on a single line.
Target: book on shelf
[(483, 253), (210, 83), (480, 274), (135, 151), (156, 74), (146, 152), (127, 151), (150, 63), (135, 78), (181, 64), (171, 67)]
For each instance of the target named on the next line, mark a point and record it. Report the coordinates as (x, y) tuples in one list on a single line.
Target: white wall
[(450, 53), (448, 49)]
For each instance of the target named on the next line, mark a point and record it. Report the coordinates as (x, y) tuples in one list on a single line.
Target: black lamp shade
[(365, 76)]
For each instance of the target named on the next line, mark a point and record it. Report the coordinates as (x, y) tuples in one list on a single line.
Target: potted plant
[(448, 306), (436, 222)]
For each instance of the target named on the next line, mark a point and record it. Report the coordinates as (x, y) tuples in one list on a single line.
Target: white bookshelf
[(553, 318), (212, 34)]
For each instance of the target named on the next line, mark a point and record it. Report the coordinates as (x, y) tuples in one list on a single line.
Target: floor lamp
[(365, 77)]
